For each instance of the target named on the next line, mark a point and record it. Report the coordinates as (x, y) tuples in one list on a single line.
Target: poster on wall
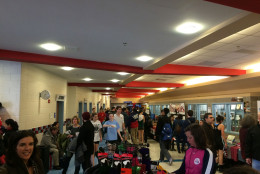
[(177, 108)]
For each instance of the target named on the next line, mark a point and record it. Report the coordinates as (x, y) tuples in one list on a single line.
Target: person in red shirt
[(101, 115)]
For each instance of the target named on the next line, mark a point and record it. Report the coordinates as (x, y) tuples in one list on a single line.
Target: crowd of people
[(202, 142)]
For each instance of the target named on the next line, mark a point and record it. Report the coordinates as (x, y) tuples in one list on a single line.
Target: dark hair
[(179, 116), (112, 108), (93, 114), (166, 111), (248, 121), (86, 116), (206, 116), (53, 128), (118, 107), (123, 109), (220, 119), (1, 105), (12, 123), (245, 169), (198, 134), (55, 124), (11, 154), (190, 113)]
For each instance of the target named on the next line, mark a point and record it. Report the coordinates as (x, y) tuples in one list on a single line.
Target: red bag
[(126, 171)]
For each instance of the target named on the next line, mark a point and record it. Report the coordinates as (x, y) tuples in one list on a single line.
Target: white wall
[(34, 110), (10, 77)]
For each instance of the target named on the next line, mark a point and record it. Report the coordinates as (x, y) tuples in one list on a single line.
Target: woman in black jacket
[(86, 135), (22, 156)]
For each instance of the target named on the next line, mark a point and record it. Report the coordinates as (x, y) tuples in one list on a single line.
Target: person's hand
[(154, 137), (122, 139), (249, 161)]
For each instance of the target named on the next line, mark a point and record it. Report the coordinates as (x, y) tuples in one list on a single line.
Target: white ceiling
[(96, 30)]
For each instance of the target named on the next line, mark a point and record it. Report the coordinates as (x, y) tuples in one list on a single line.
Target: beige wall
[(35, 111), (121, 100), (10, 77), (84, 95)]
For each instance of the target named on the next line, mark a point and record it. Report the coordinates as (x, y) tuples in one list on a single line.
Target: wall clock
[(45, 95)]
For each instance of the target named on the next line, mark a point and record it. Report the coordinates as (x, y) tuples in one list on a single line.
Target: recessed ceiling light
[(123, 73), (87, 79), (150, 93), (107, 93), (189, 28), (51, 46), (144, 58), (66, 68), (114, 80), (108, 88)]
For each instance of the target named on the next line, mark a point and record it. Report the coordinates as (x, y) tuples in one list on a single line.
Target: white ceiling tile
[(214, 46), (215, 53), (232, 47), (249, 40), (232, 38)]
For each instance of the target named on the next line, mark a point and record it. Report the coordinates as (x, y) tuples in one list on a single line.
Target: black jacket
[(161, 121), (86, 135), (210, 137), (20, 168), (253, 143)]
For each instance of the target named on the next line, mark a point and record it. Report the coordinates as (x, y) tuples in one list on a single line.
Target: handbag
[(72, 145)]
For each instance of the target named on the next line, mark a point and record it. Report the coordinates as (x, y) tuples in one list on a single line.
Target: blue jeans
[(256, 164), (164, 151)]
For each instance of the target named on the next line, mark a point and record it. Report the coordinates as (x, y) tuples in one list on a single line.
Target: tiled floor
[(154, 153)]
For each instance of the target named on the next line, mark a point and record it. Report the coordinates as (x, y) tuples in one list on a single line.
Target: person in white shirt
[(97, 134), (120, 119)]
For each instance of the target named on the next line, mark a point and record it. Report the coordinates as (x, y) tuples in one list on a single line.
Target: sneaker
[(56, 168), (170, 162)]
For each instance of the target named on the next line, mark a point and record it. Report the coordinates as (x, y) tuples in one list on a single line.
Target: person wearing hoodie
[(164, 145)]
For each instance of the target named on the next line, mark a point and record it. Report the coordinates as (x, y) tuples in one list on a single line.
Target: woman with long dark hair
[(22, 156)]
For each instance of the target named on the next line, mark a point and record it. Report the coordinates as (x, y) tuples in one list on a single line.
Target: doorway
[(80, 113), (60, 114)]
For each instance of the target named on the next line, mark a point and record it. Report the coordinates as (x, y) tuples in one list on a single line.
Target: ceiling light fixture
[(189, 28), (51, 46), (66, 68), (122, 73), (253, 68), (108, 88), (163, 89), (203, 79), (150, 93), (87, 79), (114, 80), (144, 58)]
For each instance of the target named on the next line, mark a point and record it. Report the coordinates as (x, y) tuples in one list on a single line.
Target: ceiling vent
[(162, 80), (245, 51)]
